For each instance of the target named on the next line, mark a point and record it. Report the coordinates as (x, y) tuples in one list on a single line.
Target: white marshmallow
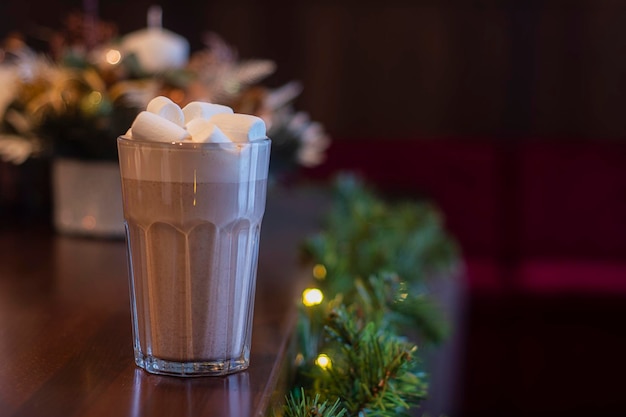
[(149, 126), (199, 109), (167, 109), (202, 130), (240, 127)]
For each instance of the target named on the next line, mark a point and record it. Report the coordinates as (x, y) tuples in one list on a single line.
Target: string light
[(113, 56), (403, 291), (95, 98), (312, 297), (90, 104), (323, 361), (319, 271), (299, 359)]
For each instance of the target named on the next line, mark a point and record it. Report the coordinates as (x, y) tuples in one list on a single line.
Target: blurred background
[(398, 68), (509, 116)]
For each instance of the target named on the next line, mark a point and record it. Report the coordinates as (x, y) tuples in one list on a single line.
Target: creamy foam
[(194, 162)]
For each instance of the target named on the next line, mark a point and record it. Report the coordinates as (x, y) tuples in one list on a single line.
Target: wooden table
[(65, 332)]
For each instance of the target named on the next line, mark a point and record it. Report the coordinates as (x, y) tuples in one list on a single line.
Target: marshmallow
[(165, 121), (240, 127), (149, 126), (167, 109), (198, 109), (201, 130)]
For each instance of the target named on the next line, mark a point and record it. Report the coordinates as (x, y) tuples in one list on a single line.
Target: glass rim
[(125, 140)]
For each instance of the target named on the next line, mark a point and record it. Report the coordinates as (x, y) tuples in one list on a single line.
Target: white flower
[(314, 142), (282, 96), (15, 149)]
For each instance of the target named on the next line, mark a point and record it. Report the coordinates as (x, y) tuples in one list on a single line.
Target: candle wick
[(155, 17)]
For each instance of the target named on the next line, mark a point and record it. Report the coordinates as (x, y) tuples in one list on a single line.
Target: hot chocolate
[(194, 251), (193, 185)]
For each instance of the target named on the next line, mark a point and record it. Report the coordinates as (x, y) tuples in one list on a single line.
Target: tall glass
[(193, 216)]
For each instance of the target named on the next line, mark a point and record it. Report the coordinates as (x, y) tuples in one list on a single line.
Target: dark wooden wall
[(552, 69)]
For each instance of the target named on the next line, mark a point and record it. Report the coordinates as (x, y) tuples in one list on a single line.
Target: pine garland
[(304, 406), (372, 265)]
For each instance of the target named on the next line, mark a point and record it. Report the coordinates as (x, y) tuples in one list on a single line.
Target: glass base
[(190, 369)]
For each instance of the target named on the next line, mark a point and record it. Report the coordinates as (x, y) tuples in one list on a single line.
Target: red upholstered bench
[(531, 214)]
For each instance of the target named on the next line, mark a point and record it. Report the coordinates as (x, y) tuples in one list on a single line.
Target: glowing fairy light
[(323, 361), (95, 98), (299, 359), (90, 104), (319, 271), (403, 291), (113, 56), (312, 297)]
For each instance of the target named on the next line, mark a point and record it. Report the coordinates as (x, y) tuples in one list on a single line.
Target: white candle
[(156, 48)]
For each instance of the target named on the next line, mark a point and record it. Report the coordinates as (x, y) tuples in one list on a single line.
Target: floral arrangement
[(75, 98)]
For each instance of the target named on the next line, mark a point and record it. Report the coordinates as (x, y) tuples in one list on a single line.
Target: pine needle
[(298, 404)]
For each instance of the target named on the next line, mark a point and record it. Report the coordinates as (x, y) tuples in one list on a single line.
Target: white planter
[(87, 198)]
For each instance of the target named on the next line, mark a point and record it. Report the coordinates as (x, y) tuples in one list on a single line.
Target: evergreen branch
[(374, 371), (300, 405), (422, 314), (400, 244), (377, 258)]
